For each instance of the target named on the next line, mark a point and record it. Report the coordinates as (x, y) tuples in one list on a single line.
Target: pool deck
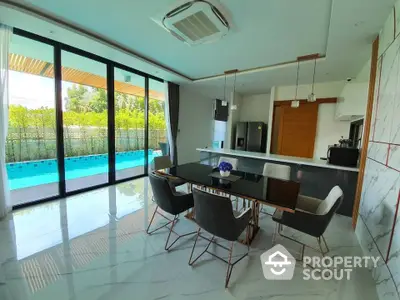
[(35, 193)]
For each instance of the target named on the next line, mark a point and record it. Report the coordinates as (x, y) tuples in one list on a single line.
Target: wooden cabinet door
[(297, 130)]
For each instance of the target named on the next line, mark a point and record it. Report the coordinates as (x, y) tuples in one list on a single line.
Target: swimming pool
[(38, 172)]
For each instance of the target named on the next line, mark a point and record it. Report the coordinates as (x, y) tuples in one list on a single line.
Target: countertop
[(280, 158)]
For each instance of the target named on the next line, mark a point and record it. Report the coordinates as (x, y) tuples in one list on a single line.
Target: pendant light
[(311, 97), (296, 103), (234, 106), (224, 102)]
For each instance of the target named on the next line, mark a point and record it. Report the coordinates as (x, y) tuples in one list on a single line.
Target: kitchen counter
[(279, 158), (316, 176)]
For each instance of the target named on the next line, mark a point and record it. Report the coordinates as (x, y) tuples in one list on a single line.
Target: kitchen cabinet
[(352, 102)]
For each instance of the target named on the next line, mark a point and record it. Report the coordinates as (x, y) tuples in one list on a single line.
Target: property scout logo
[(278, 264)]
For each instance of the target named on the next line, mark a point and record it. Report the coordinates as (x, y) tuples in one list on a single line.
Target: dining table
[(256, 189)]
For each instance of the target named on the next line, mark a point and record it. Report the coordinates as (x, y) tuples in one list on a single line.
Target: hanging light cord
[(234, 85), (297, 79), (313, 78), (225, 88)]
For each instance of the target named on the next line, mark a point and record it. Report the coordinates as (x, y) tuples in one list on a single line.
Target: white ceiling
[(265, 32)]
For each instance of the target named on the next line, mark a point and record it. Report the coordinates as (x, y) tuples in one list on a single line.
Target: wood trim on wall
[(304, 101), (367, 127)]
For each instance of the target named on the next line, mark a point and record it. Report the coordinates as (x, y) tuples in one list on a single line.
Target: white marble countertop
[(274, 157)]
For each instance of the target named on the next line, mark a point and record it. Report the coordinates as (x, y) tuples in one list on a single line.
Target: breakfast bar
[(317, 177)]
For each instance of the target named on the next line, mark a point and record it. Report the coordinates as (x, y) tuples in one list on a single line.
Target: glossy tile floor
[(93, 246)]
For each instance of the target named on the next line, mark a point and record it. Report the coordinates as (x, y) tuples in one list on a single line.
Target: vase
[(224, 173)]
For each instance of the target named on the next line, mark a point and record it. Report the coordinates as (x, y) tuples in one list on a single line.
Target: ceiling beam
[(304, 101), (253, 70)]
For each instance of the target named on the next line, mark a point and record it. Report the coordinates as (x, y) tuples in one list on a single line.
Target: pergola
[(34, 66)]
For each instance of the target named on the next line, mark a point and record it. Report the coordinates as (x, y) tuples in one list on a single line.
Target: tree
[(85, 125), (156, 106), (19, 118), (98, 101), (76, 100)]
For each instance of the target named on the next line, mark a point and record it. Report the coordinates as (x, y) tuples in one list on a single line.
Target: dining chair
[(169, 201), (215, 215), (278, 171), (164, 162), (312, 216)]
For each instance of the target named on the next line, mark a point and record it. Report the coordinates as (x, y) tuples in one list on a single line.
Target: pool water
[(32, 173)]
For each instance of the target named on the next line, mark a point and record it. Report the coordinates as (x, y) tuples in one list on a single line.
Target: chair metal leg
[(151, 221), (320, 245), (230, 266), (274, 234), (171, 228), (326, 245), (174, 221), (162, 226), (194, 245), (169, 234), (303, 246), (280, 228), (229, 261)]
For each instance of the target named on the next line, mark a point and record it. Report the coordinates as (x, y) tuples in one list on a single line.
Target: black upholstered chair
[(164, 162), (170, 201), (215, 215), (312, 216)]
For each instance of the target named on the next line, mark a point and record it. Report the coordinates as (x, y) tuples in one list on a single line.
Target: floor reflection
[(68, 238)]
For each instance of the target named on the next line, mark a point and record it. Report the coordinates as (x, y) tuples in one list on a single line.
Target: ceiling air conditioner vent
[(196, 22)]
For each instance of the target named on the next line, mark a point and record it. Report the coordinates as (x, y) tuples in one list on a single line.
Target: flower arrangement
[(225, 168)]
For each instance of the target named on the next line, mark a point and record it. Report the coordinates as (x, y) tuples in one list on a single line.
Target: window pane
[(129, 124), (85, 121), (31, 142), (158, 140)]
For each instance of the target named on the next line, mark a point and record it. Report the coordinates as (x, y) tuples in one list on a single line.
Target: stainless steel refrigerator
[(251, 136)]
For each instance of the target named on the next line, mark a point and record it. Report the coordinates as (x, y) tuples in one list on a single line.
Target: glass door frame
[(110, 65)]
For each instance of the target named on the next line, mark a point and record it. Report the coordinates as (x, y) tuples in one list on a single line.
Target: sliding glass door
[(158, 139), (84, 98), (66, 133), (129, 99), (31, 156)]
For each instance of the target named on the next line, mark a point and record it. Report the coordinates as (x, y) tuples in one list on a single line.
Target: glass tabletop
[(276, 192)]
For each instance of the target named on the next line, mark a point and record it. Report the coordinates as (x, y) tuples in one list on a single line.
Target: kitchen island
[(317, 177)]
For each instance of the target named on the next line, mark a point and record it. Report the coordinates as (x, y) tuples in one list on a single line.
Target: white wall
[(255, 108), (195, 124), (329, 131)]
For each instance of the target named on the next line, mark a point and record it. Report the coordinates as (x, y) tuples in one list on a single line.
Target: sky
[(33, 91)]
